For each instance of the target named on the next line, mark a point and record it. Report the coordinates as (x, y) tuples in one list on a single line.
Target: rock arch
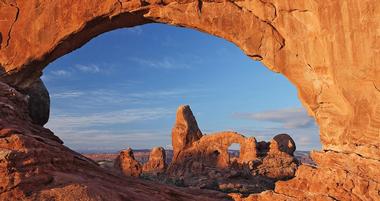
[(222, 140), (329, 51)]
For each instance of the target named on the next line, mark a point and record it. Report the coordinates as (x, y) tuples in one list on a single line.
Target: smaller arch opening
[(234, 152)]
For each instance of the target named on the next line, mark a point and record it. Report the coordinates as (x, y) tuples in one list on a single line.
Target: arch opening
[(118, 92), (139, 67), (234, 152)]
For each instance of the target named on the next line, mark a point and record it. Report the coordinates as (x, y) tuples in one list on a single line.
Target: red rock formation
[(127, 163), (206, 163), (185, 130), (328, 50), (216, 146), (157, 161)]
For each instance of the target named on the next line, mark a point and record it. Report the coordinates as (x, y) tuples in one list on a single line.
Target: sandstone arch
[(221, 141), (328, 50)]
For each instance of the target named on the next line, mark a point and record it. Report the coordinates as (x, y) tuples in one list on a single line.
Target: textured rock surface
[(157, 161), (127, 163), (328, 50)]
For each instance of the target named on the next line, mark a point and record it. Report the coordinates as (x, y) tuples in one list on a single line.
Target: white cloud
[(61, 73), (75, 69), (164, 63), (101, 97), (99, 131), (89, 68), (65, 121), (288, 118), (67, 94), (96, 136), (108, 140)]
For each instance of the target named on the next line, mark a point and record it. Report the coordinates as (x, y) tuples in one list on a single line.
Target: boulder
[(282, 143)]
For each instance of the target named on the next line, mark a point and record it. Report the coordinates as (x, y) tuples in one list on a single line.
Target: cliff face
[(327, 49)]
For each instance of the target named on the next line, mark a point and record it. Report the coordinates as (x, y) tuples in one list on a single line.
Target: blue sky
[(122, 89)]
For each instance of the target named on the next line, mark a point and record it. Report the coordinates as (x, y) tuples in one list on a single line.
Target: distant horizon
[(137, 150), (123, 87)]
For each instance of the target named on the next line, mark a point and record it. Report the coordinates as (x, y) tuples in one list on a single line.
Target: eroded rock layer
[(327, 49)]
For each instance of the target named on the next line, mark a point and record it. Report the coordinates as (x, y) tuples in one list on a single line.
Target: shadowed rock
[(283, 143), (38, 102)]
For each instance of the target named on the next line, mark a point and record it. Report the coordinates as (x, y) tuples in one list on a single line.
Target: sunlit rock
[(157, 161), (127, 163), (185, 130)]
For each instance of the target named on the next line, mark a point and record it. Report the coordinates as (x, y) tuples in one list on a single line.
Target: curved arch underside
[(328, 50)]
